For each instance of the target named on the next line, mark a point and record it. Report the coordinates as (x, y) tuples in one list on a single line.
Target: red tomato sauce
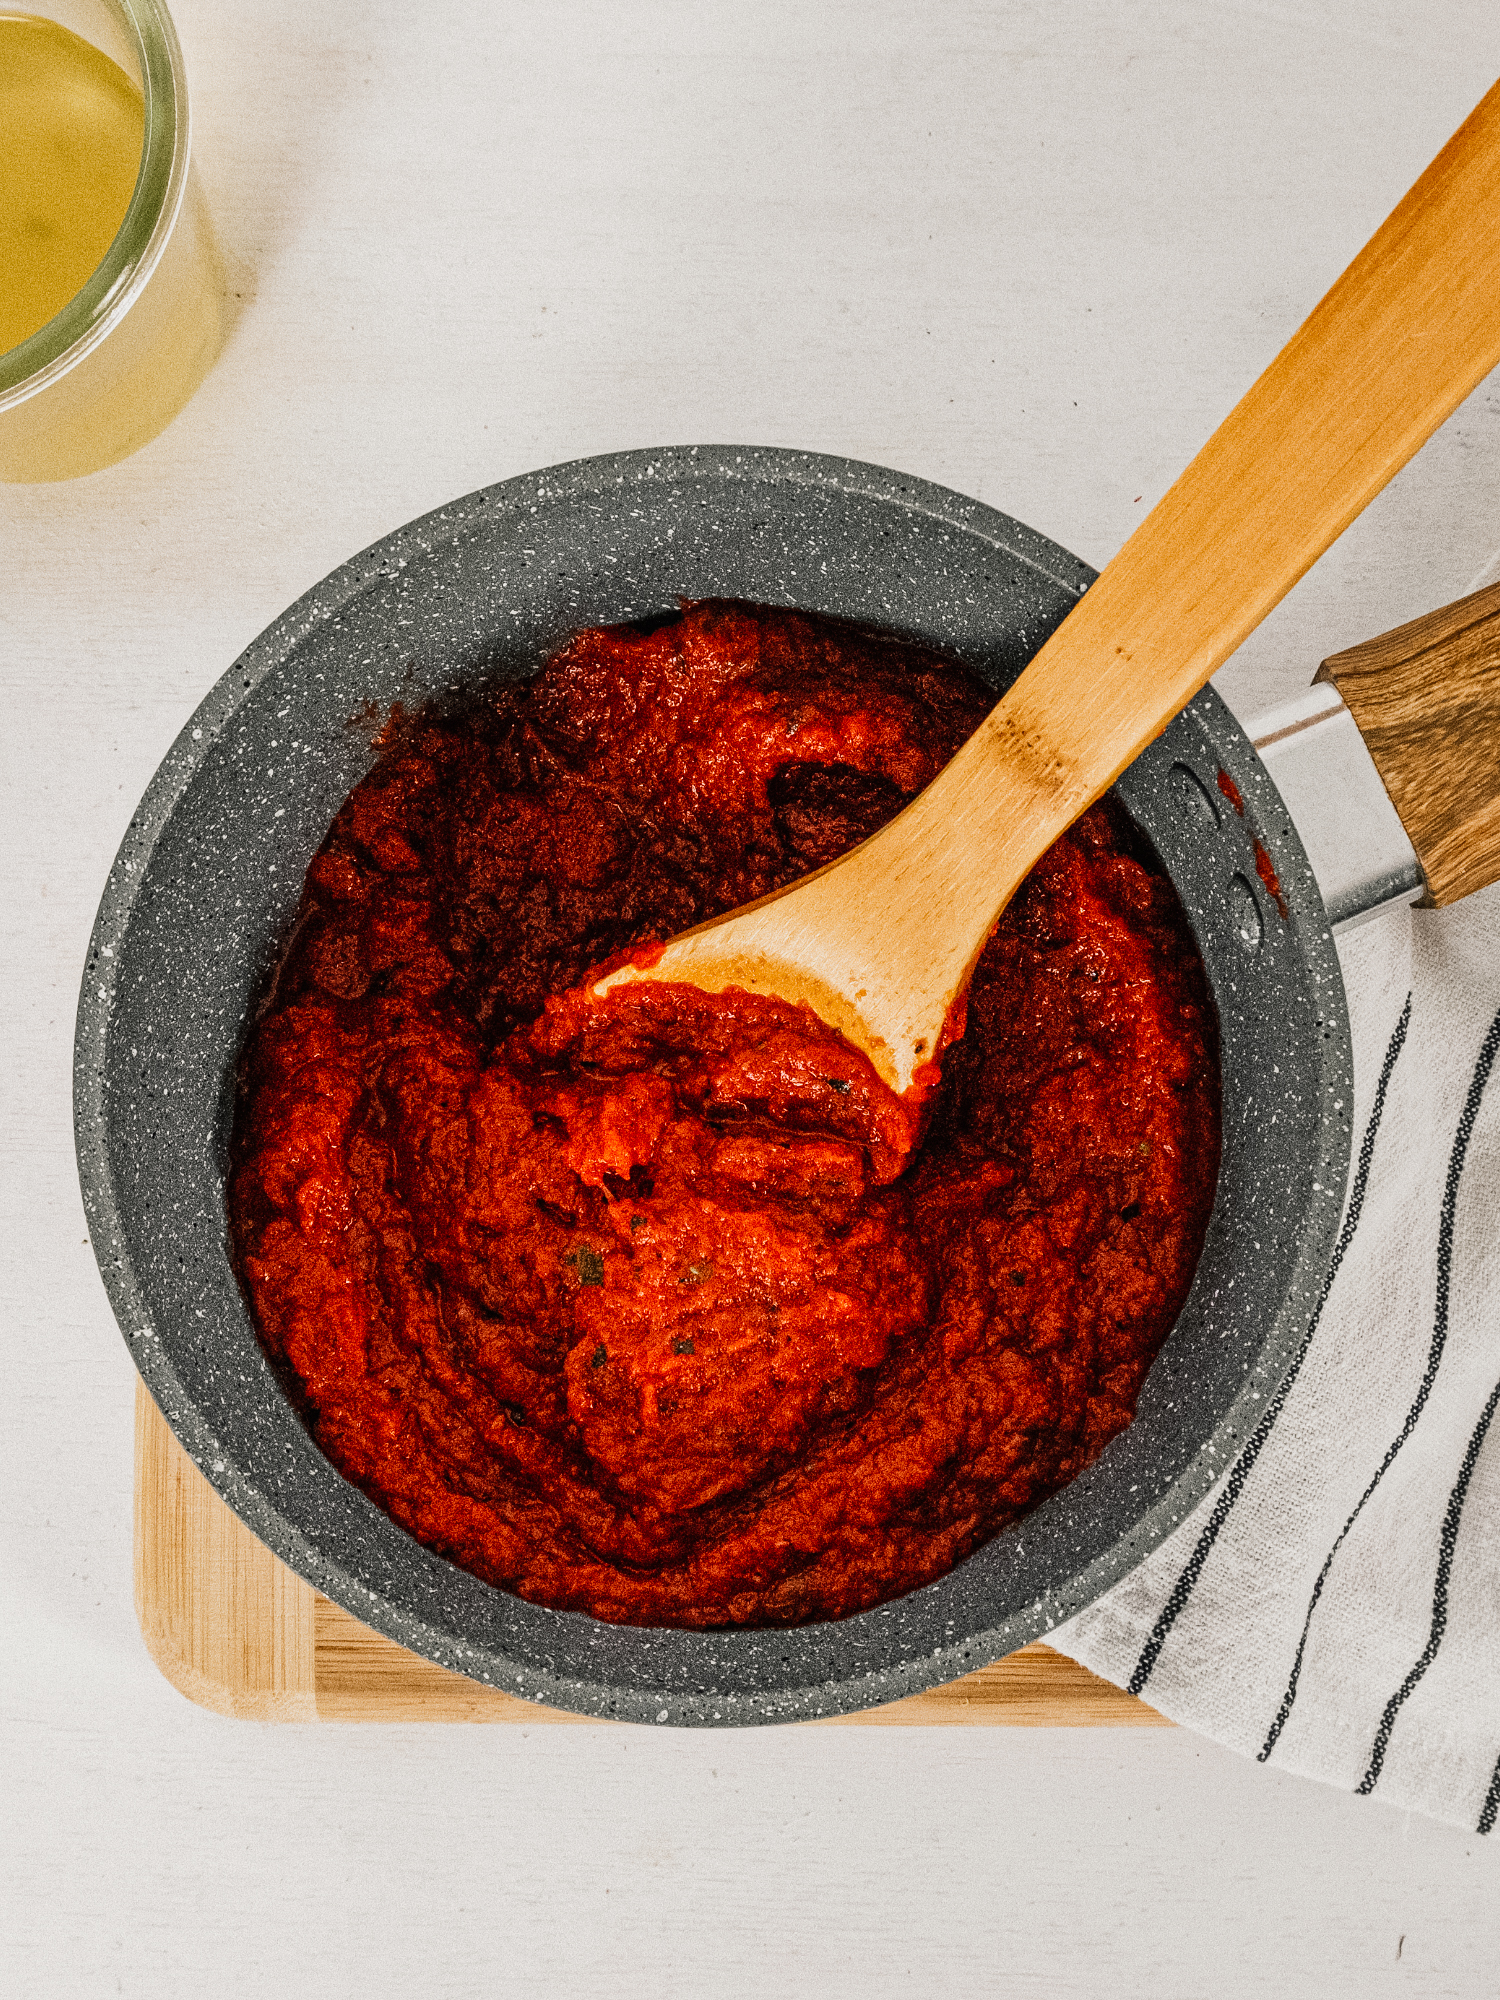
[(630, 1306), (1265, 868)]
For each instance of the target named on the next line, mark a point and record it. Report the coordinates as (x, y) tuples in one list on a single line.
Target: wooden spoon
[(881, 943)]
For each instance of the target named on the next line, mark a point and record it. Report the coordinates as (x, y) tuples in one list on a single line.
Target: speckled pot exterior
[(203, 890)]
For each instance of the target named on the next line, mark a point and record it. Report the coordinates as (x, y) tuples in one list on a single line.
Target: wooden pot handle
[(1426, 700)]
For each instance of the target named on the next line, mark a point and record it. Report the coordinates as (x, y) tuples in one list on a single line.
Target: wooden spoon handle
[(1426, 699), (881, 943), (1403, 336)]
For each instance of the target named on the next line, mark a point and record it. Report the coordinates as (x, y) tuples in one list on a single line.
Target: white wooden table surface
[(1033, 251)]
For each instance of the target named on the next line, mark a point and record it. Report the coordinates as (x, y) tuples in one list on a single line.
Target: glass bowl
[(120, 359)]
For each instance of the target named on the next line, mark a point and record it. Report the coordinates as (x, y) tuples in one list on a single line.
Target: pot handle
[(1426, 700)]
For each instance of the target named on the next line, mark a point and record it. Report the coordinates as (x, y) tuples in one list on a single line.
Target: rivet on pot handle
[(1390, 763)]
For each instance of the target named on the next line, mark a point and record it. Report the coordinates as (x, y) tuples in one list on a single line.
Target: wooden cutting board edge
[(233, 1629)]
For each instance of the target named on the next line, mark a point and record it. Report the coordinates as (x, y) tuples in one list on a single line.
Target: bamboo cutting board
[(235, 1630)]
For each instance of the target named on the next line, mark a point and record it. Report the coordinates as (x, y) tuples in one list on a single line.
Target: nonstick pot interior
[(209, 876)]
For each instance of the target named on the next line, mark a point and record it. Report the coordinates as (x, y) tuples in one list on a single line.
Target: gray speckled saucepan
[(209, 875)]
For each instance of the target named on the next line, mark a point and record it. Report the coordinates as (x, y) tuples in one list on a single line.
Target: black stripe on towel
[(1434, 1356), (1244, 1465), (1447, 1544), (1491, 1803)]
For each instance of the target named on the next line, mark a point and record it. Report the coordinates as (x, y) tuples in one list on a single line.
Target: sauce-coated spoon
[(881, 943)]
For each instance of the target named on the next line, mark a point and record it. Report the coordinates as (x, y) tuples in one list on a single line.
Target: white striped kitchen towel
[(1333, 1605)]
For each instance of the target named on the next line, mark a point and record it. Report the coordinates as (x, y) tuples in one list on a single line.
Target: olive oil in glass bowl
[(111, 311)]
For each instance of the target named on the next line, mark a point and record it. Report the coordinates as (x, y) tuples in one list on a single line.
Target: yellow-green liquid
[(71, 128)]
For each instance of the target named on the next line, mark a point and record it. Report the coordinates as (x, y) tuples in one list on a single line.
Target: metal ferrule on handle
[(1359, 850)]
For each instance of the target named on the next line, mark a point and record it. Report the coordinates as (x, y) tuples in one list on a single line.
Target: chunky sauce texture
[(631, 1306)]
